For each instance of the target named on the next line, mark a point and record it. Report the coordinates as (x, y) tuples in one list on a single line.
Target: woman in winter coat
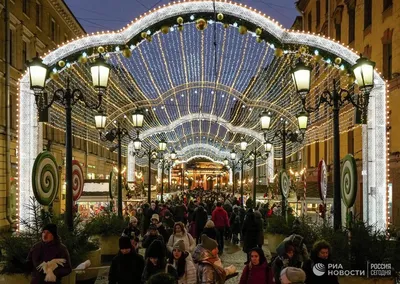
[(321, 253), (282, 261), (250, 232), (257, 270), (200, 218), (209, 230), (183, 264), (181, 234), (156, 261), (209, 265)]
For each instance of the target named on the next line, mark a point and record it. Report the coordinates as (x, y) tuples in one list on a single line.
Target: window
[(350, 142), (338, 29), (318, 12), (352, 24), (367, 13), (309, 22), (53, 30), (25, 7), (24, 54), (38, 15), (65, 37), (387, 60), (387, 4)]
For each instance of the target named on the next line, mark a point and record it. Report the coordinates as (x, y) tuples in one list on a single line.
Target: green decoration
[(348, 181), (284, 183), (45, 178)]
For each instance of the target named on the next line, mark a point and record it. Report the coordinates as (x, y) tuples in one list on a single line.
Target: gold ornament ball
[(258, 31), (61, 63), (201, 24), (278, 52), (164, 29), (149, 38), (317, 58), (143, 35), (242, 30), (297, 55), (100, 49), (338, 60), (343, 72), (226, 25), (179, 20), (180, 28), (220, 17), (82, 59), (54, 76), (259, 40), (302, 49), (127, 52)]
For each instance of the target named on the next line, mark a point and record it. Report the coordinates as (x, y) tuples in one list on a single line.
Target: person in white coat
[(181, 234), (183, 264)]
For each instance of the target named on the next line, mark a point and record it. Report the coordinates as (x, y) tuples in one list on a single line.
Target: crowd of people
[(183, 239)]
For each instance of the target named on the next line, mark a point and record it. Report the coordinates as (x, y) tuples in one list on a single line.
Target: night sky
[(99, 15)]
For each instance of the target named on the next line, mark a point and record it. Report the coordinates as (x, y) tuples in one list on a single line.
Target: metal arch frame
[(374, 134), (195, 116)]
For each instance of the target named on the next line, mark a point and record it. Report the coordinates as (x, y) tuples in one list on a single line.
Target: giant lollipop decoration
[(113, 184), (45, 178), (348, 180), (77, 180), (284, 183)]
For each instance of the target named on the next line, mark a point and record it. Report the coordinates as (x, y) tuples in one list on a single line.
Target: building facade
[(369, 27), (35, 27)]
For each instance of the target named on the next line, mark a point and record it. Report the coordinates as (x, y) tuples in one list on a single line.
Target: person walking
[(156, 261), (200, 218), (321, 253), (132, 229), (49, 259), (250, 232), (221, 221), (183, 264), (151, 236), (181, 234), (257, 270), (209, 265), (282, 261), (209, 230), (127, 266)]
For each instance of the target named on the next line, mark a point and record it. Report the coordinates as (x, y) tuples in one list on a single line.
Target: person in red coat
[(220, 218), (257, 270)]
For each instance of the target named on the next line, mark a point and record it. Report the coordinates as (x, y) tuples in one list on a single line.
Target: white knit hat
[(292, 275)]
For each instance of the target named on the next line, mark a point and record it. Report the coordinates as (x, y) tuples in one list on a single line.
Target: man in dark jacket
[(221, 221), (200, 218), (49, 259), (151, 236), (250, 232), (127, 266)]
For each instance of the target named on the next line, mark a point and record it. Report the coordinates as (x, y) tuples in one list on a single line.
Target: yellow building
[(369, 27), (36, 27)]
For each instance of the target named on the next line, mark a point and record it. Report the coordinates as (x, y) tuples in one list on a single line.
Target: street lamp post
[(254, 155), (119, 133), (283, 135), (38, 74), (363, 72)]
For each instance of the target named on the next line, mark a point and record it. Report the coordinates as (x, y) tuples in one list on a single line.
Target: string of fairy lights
[(171, 76)]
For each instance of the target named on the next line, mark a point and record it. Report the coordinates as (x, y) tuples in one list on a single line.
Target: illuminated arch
[(374, 134)]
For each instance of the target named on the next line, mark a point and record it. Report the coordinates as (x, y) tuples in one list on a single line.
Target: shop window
[(352, 24), (367, 13)]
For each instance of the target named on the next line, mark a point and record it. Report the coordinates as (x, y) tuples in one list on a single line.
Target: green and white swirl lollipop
[(348, 181), (284, 183), (45, 178)]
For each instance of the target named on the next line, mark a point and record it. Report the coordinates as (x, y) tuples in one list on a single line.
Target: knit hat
[(52, 228), (156, 249), (155, 216), (208, 243), (124, 243), (179, 245), (133, 219), (209, 224), (292, 275)]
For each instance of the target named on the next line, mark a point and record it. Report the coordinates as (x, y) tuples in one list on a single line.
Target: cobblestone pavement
[(234, 255)]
